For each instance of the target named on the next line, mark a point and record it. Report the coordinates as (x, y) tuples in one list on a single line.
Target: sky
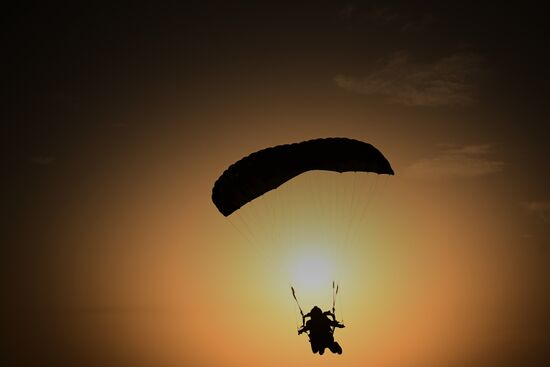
[(118, 121)]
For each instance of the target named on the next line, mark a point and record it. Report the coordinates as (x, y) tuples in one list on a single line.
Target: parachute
[(267, 169)]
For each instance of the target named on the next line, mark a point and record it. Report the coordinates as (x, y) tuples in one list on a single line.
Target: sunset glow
[(119, 122)]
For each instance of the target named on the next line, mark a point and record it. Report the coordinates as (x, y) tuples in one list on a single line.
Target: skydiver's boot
[(314, 348), (335, 348)]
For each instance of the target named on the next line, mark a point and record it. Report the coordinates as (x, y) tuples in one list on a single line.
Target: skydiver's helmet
[(316, 312)]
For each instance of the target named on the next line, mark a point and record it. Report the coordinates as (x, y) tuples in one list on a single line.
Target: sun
[(314, 271)]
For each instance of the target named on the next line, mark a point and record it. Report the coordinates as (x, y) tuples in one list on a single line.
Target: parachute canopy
[(269, 168)]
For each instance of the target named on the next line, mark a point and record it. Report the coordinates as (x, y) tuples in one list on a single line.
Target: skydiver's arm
[(304, 328), (304, 317), (336, 323)]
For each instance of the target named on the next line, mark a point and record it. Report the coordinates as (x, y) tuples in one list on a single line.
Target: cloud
[(386, 16), (478, 149), (379, 15), (348, 10), (539, 208), (418, 23), (447, 81), (383, 15), (460, 162), (42, 160)]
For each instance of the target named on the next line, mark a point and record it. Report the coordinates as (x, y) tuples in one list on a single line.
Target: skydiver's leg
[(322, 350), (335, 348), (314, 347)]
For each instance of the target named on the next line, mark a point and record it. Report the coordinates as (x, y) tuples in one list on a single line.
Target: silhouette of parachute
[(269, 168)]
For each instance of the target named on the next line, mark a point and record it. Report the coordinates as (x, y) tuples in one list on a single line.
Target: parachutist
[(267, 169), (320, 330)]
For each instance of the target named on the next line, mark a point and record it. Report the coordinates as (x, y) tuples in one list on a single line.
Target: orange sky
[(432, 270), (121, 120)]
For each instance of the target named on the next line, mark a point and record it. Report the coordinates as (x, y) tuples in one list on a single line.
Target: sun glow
[(312, 271)]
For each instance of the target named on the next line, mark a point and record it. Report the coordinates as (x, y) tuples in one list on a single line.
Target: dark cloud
[(418, 23), (450, 80), (457, 162), (42, 160), (540, 208), (348, 10), (383, 15)]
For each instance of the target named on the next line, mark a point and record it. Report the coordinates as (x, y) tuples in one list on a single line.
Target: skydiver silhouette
[(320, 330)]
